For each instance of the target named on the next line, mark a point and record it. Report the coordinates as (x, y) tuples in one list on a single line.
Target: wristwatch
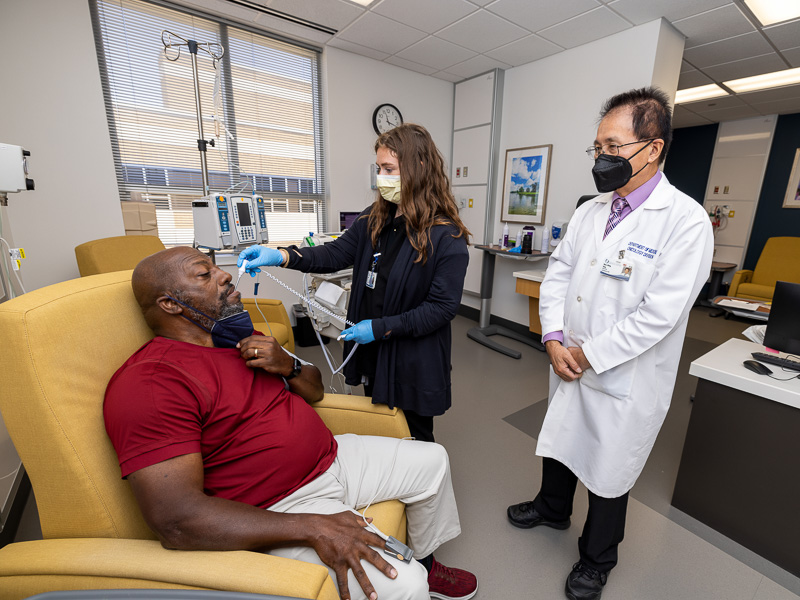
[(298, 366)]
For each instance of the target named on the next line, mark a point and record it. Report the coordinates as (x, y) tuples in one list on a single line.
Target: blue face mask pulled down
[(227, 332)]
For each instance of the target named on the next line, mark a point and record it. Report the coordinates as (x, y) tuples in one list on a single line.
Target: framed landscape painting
[(525, 184)]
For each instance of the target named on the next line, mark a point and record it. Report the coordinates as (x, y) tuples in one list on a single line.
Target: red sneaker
[(451, 584)]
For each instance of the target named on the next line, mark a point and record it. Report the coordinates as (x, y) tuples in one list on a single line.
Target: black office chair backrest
[(583, 199)]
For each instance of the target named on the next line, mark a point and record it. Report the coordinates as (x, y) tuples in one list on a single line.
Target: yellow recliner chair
[(779, 261), (124, 252), (60, 346), (119, 253)]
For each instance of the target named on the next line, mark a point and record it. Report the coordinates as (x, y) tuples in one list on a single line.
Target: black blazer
[(414, 338)]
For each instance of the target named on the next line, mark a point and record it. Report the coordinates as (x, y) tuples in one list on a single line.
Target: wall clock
[(386, 117)]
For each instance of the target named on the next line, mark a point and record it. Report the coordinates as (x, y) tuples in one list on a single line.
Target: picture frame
[(792, 198), (525, 183)]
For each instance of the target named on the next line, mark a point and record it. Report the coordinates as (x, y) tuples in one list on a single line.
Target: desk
[(741, 456), (484, 330), (748, 309), (528, 283)]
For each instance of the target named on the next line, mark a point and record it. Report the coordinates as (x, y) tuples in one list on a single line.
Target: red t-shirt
[(259, 442)]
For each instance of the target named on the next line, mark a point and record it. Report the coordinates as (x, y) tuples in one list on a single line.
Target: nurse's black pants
[(605, 522), (420, 426)]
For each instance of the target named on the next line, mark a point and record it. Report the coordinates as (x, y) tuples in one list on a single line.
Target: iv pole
[(216, 51)]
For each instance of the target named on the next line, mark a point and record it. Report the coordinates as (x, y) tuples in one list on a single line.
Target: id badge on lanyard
[(372, 276)]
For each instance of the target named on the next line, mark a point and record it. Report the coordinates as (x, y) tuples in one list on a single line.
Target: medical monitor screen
[(346, 220), (783, 327), (243, 211)]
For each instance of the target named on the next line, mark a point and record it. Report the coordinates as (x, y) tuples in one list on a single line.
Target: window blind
[(260, 105)]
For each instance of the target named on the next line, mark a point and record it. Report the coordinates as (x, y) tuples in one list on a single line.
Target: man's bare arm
[(170, 495)]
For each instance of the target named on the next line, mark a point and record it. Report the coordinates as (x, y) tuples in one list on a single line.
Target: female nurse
[(409, 256)]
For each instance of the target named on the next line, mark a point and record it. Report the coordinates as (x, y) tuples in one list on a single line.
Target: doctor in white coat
[(614, 307)]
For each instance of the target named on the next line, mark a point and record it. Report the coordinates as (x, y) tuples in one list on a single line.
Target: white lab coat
[(603, 425)]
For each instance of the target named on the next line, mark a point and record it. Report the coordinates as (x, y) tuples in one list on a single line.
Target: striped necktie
[(614, 218)]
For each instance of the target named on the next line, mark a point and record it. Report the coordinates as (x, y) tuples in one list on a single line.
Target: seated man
[(213, 431)]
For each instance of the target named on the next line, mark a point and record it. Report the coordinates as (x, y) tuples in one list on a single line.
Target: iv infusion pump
[(222, 221), (14, 169)]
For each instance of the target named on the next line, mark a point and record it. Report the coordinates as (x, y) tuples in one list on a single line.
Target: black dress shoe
[(585, 583), (524, 516)]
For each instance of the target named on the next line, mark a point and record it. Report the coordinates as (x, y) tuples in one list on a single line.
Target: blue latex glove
[(259, 256), (517, 250), (361, 333)]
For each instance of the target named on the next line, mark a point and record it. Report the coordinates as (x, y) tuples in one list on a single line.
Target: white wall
[(556, 100), (52, 105)]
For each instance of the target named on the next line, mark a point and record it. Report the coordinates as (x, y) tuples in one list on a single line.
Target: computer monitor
[(346, 219), (783, 326)]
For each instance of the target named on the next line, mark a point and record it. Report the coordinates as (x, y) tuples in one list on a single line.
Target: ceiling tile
[(482, 31), (713, 104), (783, 93), (332, 13), (779, 107), (448, 76), (644, 11), (745, 68), (793, 56), (380, 33), (690, 79), (713, 25), (589, 26), (735, 48), (524, 51), (481, 2), (411, 66), (423, 14), (437, 53), (358, 49), (730, 114), (476, 65), (542, 14), (784, 36), (685, 66), (686, 118)]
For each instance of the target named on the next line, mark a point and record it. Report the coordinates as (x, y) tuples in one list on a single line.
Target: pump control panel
[(222, 221)]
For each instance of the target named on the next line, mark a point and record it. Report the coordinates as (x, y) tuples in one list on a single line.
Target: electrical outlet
[(470, 202), (731, 213)]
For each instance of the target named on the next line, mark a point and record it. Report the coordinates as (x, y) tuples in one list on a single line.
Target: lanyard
[(372, 276)]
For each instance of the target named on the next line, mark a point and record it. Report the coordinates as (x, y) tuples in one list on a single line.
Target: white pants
[(416, 473)]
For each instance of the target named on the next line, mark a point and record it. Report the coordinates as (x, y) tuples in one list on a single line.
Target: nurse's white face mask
[(389, 187)]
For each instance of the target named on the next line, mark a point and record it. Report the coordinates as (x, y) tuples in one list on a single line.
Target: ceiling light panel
[(703, 92), (765, 81), (769, 12)]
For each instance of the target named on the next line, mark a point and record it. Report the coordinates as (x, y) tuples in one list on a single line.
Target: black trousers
[(605, 523), (420, 426)]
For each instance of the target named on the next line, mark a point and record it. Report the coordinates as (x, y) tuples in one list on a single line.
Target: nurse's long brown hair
[(425, 195)]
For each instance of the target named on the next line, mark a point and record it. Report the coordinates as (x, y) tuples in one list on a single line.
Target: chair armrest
[(274, 312), (28, 568), (356, 414), (740, 277)]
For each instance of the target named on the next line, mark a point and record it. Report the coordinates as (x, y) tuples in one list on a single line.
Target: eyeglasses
[(612, 149)]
